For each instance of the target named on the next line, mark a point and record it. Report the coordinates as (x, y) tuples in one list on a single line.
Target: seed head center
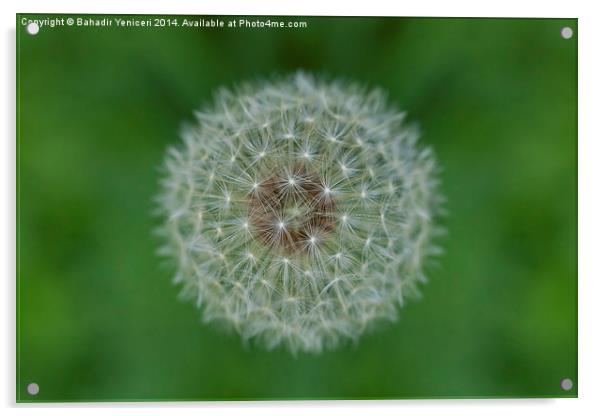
[(288, 211)]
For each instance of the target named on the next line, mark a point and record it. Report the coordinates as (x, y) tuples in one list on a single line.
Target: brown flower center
[(292, 211)]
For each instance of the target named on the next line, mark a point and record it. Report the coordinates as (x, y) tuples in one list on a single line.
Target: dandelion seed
[(307, 243)]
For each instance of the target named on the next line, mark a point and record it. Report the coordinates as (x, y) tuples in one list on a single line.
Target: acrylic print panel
[(269, 208)]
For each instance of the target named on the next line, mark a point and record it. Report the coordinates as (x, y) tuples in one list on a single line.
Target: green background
[(98, 317)]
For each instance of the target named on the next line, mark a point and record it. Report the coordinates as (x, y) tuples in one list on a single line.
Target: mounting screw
[(33, 389), (566, 384)]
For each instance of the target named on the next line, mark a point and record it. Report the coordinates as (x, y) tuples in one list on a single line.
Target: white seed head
[(333, 226)]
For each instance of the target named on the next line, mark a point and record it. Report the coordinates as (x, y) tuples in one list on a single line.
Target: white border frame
[(590, 202)]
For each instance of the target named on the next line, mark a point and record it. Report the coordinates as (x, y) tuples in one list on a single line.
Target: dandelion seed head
[(286, 225)]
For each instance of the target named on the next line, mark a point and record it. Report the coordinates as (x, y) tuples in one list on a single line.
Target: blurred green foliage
[(98, 318)]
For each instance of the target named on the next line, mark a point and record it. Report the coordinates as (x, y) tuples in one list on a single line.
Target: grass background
[(98, 318)]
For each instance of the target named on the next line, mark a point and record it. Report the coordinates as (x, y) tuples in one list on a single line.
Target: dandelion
[(299, 211)]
